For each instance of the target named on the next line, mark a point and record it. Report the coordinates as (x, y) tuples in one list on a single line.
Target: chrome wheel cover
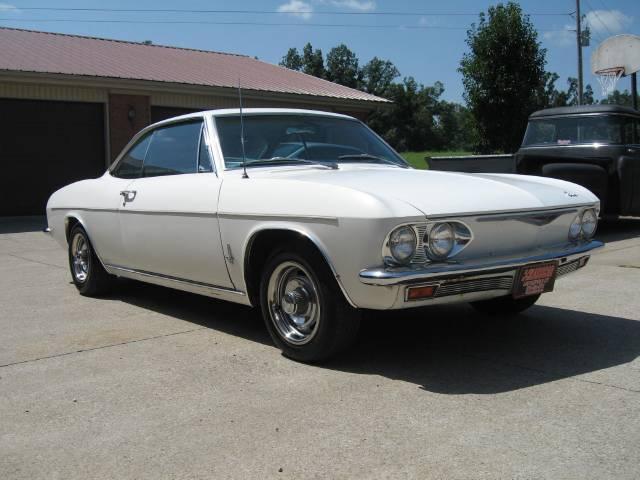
[(294, 303), (80, 257)]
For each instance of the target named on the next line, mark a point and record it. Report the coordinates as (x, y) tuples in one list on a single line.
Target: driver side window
[(174, 150)]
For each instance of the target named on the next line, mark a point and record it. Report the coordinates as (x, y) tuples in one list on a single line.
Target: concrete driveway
[(152, 383)]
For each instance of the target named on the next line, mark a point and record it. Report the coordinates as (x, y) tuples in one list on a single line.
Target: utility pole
[(579, 42)]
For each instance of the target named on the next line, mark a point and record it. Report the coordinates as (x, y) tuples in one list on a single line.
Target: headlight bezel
[(575, 229), (578, 220), (422, 252), (389, 255), (443, 227), (585, 235)]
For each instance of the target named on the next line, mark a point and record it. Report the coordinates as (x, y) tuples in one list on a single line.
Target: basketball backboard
[(615, 57)]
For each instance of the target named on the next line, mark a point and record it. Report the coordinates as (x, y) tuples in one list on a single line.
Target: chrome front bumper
[(390, 276)]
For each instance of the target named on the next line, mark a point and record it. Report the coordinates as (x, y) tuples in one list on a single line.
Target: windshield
[(608, 129), (301, 139)]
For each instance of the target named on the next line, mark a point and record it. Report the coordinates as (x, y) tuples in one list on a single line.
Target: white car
[(313, 217)]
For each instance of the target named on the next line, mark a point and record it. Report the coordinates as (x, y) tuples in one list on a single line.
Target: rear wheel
[(505, 306), (304, 310), (88, 274)]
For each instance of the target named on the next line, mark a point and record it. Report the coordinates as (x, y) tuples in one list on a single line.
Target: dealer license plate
[(535, 279)]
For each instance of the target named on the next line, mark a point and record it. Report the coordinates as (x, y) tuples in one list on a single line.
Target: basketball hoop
[(608, 78)]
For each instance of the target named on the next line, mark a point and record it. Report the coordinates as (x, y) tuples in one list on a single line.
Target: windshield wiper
[(331, 165), (367, 156)]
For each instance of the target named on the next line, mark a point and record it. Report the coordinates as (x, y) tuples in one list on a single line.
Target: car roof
[(222, 112), (582, 109)]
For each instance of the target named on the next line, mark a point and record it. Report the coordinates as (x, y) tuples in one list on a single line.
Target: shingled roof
[(56, 53)]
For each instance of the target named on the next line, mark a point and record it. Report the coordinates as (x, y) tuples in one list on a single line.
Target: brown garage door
[(43, 146)]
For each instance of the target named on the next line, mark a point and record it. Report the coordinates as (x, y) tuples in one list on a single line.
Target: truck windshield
[(606, 129), (305, 139)]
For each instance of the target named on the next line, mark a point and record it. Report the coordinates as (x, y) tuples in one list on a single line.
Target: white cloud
[(297, 8), (561, 38), (428, 22), (360, 5), (8, 8), (608, 21)]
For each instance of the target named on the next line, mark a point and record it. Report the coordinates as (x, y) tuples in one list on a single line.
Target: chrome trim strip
[(547, 214), (280, 217), (586, 114), (48, 231), (145, 273), (397, 276), (86, 209), (532, 211), (173, 213), (140, 212)]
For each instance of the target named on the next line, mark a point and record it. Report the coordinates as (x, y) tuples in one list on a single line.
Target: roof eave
[(120, 84)]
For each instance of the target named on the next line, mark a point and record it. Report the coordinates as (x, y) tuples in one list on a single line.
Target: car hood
[(443, 193)]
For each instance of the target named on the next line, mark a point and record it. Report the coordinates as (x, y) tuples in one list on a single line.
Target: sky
[(425, 39)]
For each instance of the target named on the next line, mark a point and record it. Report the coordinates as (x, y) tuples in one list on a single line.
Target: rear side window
[(173, 150), (131, 164)]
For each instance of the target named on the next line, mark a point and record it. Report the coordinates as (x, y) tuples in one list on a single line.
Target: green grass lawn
[(417, 158)]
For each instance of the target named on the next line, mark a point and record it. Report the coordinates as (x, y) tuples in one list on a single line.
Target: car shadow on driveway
[(618, 229), (226, 317), (448, 350), (454, 350)]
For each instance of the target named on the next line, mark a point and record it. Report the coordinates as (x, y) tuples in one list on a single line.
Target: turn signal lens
[(425, 291)]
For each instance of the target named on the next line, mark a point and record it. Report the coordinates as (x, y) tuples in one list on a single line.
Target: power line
[(262, 12), (237, 23), (205, 22), (595, 13)]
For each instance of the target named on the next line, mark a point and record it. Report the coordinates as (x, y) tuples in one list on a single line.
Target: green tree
[(378, 75), (619, 98), (292, 60), (312, 62), (416, 120), (411, 122), (342, 67), (503, 75)]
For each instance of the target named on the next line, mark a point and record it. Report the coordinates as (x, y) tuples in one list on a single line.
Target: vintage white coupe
[(313, 217)]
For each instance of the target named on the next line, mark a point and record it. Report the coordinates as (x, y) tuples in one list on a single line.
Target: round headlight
[(402, 244), (589, 223), (441, 241), (575, 228)]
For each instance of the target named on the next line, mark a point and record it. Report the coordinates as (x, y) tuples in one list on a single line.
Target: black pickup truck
[(596, 146)]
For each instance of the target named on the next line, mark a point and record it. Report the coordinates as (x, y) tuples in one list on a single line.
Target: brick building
[(69, 104)]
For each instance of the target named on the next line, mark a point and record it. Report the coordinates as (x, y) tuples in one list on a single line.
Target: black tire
[(94, 281), (337, 322), (505, 306)]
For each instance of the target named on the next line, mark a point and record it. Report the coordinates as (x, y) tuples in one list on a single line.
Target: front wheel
[(305, 312), (88, 274), (505, 306)]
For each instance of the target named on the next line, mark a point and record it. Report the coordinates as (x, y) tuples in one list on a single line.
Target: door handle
[(128, 196)]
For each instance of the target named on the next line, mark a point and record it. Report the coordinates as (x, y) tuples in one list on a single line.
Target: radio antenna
[(244, 156)]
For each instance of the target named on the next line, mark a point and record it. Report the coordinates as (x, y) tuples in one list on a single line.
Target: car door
[(104, 223), (169, 215)]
